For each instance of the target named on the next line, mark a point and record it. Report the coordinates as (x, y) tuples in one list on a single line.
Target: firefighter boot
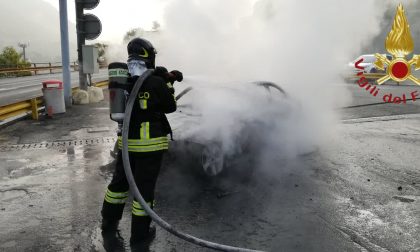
[(112, 239), (141, 232), (109, 226)]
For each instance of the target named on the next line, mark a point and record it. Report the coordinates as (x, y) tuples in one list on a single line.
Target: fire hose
[(136, 193)]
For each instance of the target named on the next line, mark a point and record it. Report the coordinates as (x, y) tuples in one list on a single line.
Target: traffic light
[(88, 27)]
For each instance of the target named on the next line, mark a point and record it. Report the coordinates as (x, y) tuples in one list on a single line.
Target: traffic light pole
[(80, 43)]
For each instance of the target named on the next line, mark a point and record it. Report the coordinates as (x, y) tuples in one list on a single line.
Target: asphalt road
[(359, 192), (364, 104), (13, 90)]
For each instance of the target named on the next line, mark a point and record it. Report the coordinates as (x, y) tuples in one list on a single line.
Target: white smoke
[(302, 45), (116, 52)]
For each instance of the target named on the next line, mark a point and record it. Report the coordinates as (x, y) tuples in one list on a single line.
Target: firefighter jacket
[(149, 127)]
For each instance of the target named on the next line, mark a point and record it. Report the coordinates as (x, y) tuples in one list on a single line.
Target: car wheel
[(212, 160)]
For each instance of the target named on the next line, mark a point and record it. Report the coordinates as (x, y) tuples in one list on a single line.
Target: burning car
[(217, 124)]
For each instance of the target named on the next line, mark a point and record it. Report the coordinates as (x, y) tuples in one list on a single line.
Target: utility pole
[(23, 46), (65, 52)]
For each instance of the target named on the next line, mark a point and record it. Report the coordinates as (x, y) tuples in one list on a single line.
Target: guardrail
[(32, 106), (36, 67), (41, 67), (23, 107)]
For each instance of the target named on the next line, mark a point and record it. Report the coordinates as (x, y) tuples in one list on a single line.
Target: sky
[(118, 17)]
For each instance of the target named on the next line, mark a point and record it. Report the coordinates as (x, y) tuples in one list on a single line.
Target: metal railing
[(34, 68), (39, 67), (32, 106), (19, 108)]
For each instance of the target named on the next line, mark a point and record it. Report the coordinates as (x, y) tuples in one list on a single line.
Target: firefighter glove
[(177, 75)]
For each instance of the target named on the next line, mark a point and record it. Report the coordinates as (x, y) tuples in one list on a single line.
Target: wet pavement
[(359, 193)]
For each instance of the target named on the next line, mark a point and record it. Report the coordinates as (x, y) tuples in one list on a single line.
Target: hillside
[(36, 22)]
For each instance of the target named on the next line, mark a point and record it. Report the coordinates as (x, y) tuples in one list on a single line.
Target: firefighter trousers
[(145, 168)]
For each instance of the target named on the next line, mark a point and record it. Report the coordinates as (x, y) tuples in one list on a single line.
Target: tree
[(11, 58)]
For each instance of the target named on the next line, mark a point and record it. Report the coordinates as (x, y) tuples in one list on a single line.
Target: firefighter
[(148, 141)]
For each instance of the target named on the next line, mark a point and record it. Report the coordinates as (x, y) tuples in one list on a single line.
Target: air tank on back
[(118, 86)]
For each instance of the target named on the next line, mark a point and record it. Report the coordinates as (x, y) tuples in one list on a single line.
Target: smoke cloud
[(301, 45)]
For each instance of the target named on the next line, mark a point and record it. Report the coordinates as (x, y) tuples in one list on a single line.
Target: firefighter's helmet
[(142, 49)]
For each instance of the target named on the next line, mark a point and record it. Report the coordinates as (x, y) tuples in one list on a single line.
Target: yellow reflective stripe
[(114, 201), (145, 130), (142, 131), (169, 85), (138, 206), (139, 212), (116, 194), (144, 146), (148, 148), (157, 140), (143, 104), (138, 209)]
